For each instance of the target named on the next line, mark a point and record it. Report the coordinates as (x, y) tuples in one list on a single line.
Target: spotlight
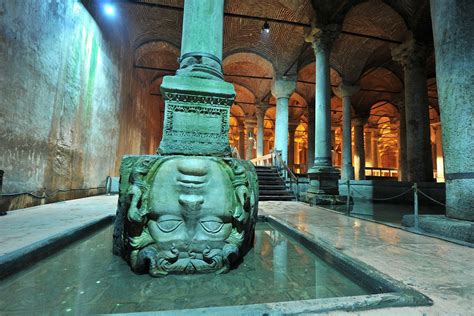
[(109, 9), (266, 28)]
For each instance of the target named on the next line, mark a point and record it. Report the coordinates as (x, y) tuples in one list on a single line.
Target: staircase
[(271, 185)]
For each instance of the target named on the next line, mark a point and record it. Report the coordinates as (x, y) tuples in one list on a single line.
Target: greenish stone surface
[(196, 116), (185, 214)]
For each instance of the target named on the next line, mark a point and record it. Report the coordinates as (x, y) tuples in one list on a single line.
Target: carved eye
[(169, 225), (212, 225)]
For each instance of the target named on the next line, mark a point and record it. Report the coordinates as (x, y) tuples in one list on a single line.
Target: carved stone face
[(185, 214), (191, 206)]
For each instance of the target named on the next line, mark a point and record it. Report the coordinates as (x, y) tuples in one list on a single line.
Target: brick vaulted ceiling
[(361, 53)]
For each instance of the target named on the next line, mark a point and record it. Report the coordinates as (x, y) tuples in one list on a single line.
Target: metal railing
[(285, 172), (263, 160)]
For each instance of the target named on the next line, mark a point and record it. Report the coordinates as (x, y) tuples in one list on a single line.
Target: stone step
[(275, 198), (271, 186), (276, 192)]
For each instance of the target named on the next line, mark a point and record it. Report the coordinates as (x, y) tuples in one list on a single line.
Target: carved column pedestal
[(191, 208)]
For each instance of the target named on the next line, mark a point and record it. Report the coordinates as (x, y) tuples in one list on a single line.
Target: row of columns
[(454, 88)]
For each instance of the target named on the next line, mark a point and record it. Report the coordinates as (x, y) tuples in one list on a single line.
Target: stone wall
[(61, 87)]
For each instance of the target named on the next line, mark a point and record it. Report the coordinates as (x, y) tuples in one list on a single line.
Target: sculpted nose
[(190, 202)]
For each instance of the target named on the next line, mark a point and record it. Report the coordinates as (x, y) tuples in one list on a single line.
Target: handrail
[(280, 164), (263, 160)]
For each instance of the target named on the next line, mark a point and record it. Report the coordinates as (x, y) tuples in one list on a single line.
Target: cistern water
[(87, 278)]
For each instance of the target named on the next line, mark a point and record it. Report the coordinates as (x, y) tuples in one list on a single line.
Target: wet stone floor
[(385, 212), (87, 278)]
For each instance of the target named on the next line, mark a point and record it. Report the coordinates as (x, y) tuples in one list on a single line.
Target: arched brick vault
[(154, 35), (379, 84), (350, 54), (249, 64)]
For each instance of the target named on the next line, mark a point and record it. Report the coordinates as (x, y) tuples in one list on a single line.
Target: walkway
[(441, 270), (23, 227)]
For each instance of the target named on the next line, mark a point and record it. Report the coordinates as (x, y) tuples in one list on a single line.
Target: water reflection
[(86, 278)]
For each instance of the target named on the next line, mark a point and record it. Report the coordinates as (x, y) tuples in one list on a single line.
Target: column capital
[(359, 120), (323, 37), (250, 122), (410, 53), (283, 87), (345, 90), (260, 110)]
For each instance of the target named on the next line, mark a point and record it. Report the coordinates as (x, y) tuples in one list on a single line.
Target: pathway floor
[(22, 227)]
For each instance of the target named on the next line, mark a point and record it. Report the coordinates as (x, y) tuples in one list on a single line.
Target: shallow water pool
[(87, 278)]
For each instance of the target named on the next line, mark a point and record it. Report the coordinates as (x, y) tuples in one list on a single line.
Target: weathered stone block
[(182, 214)]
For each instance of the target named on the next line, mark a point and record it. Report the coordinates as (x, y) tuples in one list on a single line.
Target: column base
[(444, 226), (347, 173), (323, 180)]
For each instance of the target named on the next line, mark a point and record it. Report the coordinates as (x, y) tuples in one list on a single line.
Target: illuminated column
[(368, 147), (260, 113), (439, 154), (453, 33), (402, 143), (282, 88), (241, 140), (345, 92), (375, 149), (310, 157), (249, 126), (291, 145), (412, 56), (323, 176), (359, 151)]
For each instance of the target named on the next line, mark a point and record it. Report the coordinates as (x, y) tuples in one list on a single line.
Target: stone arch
[(249, 64)]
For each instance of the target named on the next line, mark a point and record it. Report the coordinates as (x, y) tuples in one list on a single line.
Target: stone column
[(194, 176), (201, 42), (282, 88), (345, 91), (368, 147), (359, 151), (453, 33), (242, 140), (412, 56), (249, 126), (439, 154), (260, 113), (375, 149), (311, 129), (402, 143), (323, 176), (291, 145)]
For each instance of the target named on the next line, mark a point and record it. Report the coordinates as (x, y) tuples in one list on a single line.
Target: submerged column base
[(182, 214)]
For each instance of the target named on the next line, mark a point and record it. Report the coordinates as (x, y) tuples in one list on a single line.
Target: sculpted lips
[(192, 173), (191, 181)]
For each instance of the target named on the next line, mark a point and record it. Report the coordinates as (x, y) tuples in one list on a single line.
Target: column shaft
[(359, 152), (453, 33), (311, 140), (323, 111), (402, 151), (347, 168), (281, 127), (241, 141), (260, 131), (412, 56)]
